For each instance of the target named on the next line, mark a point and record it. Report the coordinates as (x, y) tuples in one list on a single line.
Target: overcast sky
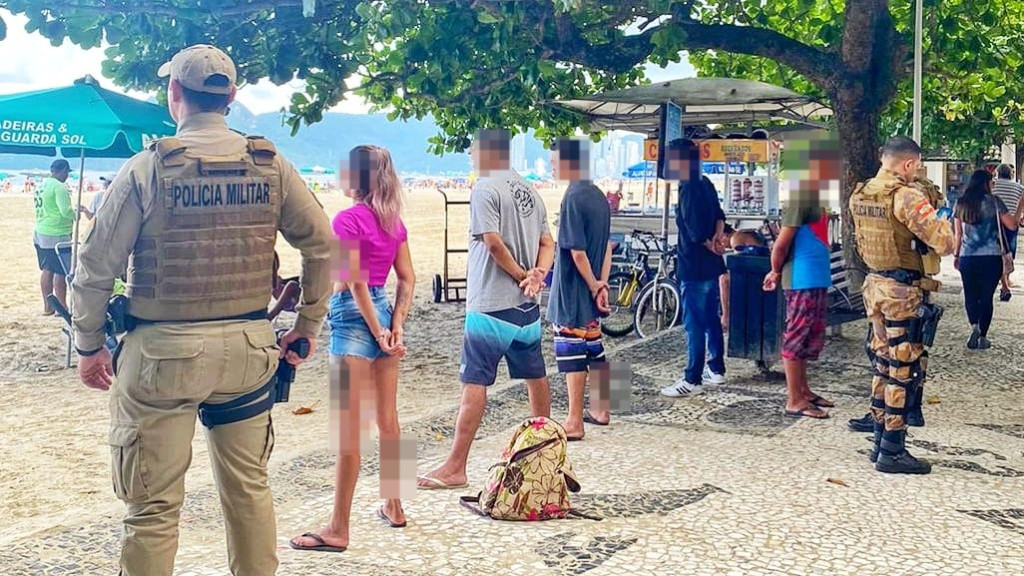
[(39, 65)]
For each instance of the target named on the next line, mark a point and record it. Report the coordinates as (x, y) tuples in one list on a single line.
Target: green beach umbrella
[(81, 120)]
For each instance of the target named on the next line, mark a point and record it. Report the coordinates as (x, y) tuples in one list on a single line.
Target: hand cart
[(446, 287)]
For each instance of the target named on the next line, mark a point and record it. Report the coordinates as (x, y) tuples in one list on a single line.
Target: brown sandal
[(321, 547)]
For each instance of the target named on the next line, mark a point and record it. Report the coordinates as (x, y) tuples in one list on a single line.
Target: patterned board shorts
[(806, 319), (513, 334), (576, 349)]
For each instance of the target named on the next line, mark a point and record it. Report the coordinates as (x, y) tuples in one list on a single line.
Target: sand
[(54, 459)]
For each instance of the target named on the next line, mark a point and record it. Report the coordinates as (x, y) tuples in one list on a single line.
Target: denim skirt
[(350, 336)]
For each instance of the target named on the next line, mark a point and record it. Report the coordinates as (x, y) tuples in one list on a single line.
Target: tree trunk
[(857, 117)]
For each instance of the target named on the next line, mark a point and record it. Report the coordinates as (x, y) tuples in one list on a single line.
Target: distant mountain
[(324, 143)]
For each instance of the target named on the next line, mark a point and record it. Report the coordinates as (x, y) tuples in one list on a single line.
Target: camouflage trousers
[(899, 364)]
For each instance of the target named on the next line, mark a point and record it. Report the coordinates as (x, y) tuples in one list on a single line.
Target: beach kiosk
[(703, 102)]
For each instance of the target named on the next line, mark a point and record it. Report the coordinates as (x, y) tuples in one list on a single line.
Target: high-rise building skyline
[(517, 153)]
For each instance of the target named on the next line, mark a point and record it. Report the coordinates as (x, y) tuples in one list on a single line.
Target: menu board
[(753, 151)]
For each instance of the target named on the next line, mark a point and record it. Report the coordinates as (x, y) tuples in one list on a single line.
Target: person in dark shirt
[(701, 222), (579, 288)]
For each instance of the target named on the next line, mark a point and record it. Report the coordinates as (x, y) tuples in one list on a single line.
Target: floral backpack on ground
[(533, 479)]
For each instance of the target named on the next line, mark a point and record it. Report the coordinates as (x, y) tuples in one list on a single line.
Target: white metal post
[(918, 68)]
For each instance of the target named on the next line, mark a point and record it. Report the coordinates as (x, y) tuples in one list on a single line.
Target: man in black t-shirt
[(579, 288), (701, 222)]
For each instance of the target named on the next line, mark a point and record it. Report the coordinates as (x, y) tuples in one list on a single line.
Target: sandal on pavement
[(437, 484), (808, 412), (821, 402), (383, 516), (589, 419), (321, 547)]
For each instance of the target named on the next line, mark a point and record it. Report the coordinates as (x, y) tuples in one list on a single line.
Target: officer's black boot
[(915, 417), (879, 429), (893, 457), (865, 423)]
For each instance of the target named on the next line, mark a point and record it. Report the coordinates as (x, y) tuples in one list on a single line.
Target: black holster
[(929, 314)]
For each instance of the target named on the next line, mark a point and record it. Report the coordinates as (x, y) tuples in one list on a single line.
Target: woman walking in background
[(979, 219), (366, 337)]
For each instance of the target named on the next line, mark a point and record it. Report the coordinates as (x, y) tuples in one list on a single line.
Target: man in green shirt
[(55, 220)]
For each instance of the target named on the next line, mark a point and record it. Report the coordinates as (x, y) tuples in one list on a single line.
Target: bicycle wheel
[(657, 308), (622, 292)]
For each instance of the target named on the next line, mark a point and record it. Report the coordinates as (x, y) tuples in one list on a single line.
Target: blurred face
[(571, 161), (358, 174), (824, 169), (490, 153), (683, 164)]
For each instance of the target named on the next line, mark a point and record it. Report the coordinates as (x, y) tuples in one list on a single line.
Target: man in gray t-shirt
[(503, 204), (510, 253)]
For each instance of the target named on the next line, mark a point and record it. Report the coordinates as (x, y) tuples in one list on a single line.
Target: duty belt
[(242, 408), (901, 275), (133, 322)]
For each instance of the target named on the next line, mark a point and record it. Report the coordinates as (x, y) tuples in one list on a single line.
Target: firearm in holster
[(258, 401), (117, 314), (919, 246), (929, 315), (285, 374)]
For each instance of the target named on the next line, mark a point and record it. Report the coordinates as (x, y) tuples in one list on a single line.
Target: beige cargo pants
[(164, 371)]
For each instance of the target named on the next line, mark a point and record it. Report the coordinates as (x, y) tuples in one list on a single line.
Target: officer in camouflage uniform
[(931, 262), (900, 238), (195, 218)]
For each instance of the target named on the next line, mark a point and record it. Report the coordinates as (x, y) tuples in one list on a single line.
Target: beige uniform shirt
[(130, 199)]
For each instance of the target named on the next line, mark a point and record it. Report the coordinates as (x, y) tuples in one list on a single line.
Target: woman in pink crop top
[(366, 334)]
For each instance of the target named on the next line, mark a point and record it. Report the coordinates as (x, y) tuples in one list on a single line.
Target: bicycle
[(659, 303), (625, 285)]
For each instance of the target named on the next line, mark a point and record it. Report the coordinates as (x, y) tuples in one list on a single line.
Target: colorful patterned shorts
[(806, 319), (577, 348)]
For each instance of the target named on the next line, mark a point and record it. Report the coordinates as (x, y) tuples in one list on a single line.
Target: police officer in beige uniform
[(195, 218)]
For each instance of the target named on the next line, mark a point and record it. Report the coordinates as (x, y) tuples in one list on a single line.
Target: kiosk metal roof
[(703, 101)]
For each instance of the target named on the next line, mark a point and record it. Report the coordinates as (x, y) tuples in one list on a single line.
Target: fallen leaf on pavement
[(837, 481), (439, 437), (305, 409), (934, 400)]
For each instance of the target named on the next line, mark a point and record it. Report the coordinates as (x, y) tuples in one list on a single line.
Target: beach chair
[(64, 254), (63, 250)]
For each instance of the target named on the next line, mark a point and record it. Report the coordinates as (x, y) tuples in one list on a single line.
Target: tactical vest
[(206, 250), (931, 262), (883, 242)]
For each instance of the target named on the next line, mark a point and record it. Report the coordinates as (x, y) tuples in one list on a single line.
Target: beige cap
[(195, 65)]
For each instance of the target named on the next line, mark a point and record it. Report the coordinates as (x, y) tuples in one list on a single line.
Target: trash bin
[(756, 317)]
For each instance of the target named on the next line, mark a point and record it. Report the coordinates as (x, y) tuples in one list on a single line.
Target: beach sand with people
[(718, 484), (58, 463)]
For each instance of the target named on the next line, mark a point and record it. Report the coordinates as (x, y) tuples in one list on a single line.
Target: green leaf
[(485, 17), (364, 11)]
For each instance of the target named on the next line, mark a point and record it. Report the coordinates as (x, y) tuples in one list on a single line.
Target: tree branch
[(815, 64), (157, 8)]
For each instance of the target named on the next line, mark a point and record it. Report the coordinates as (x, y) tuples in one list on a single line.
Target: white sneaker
[(682, 389), (710, 377)]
